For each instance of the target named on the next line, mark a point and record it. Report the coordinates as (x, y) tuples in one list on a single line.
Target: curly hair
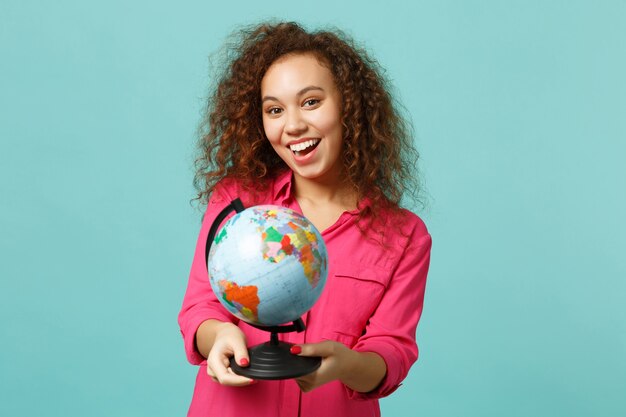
[(378, 155)]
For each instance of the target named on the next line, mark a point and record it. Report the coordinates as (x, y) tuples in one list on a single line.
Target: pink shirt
[(372, 302)]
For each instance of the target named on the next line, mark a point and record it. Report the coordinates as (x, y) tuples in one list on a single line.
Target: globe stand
[(274, 360)]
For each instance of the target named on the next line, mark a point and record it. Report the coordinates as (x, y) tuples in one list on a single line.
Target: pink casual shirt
[(372, 302)]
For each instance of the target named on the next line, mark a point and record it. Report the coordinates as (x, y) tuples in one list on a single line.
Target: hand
[(334, 357), (229, 341)]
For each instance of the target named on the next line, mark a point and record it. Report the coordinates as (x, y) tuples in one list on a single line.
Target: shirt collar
[(283, 185)]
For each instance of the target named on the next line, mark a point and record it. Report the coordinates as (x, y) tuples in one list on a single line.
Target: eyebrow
[(301, 92)]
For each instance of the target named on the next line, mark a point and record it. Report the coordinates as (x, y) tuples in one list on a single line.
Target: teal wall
[(520, 116)]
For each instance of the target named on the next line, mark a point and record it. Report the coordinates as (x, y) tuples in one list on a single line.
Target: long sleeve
[(200, 303), (391, 329)]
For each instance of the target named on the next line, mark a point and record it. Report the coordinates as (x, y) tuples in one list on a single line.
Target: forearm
[(206, 333), (363, 371)]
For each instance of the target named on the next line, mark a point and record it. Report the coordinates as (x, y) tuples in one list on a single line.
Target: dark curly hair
[(378, 155)]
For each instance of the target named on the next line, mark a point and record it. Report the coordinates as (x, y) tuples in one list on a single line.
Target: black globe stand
[(273, 359)]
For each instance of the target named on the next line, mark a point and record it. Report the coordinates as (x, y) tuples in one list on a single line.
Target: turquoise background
[(520, 115)]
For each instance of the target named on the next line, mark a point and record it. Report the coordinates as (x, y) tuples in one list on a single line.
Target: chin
[(314, 174)]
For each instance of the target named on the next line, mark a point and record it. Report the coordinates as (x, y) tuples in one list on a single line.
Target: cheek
[(327, 122), (272, 131), (332, 131)]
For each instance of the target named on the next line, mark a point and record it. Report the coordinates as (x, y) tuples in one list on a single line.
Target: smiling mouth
[(304, 148)]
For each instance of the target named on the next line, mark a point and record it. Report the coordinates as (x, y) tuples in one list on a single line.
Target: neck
[(324, 191)]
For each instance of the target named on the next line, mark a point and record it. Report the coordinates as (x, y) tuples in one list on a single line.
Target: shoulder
[(415, 225), (401, 226), (227, 188)]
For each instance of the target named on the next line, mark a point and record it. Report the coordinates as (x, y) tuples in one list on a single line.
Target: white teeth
[(299, 147)]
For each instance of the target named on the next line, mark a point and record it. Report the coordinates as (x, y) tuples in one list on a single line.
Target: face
[(302, 117)]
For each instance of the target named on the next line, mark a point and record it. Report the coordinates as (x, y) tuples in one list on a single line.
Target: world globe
[(268, 265)]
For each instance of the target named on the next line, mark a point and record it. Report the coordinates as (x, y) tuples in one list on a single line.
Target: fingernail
[(295, 349), (252, 381), (243, 362)]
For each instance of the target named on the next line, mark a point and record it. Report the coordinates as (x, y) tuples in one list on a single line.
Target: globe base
[(274, 360)]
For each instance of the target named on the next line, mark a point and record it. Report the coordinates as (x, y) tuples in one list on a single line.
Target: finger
[(232, 379), (210, 371), (217, 366), (211, 374), (252, 381), (226, 376)]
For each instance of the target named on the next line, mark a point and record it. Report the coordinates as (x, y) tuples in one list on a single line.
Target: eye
[(274, 111), (311, 102)]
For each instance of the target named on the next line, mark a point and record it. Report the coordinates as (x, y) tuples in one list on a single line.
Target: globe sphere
[(268, 265)]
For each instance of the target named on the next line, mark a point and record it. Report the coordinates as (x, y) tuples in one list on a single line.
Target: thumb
[(322, 349), (241, 355)]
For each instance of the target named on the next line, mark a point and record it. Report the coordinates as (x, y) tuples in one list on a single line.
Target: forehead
[(295, 71)]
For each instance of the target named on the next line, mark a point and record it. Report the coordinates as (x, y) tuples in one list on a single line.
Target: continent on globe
[(244, 299), (290, 239)]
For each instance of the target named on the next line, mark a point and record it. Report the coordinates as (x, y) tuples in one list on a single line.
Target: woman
[(304, 120)]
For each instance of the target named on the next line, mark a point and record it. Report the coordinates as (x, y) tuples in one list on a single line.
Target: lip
[(296, 141)]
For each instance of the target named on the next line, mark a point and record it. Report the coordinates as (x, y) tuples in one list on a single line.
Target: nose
[(295, 124)]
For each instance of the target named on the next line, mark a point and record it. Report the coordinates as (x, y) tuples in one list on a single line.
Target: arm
[(200, 303), (364, 371), (382, 356), (208, 330)]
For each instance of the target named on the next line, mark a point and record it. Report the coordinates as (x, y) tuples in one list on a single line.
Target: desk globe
[(267, 266)]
